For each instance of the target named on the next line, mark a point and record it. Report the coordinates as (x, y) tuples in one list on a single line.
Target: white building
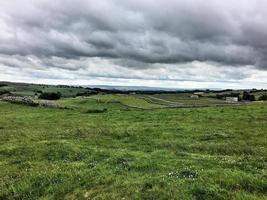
[(194, 96), (231, 99)]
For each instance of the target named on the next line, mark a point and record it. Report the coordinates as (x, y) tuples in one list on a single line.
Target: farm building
[(199, 93), (231, 99), (194, 96)]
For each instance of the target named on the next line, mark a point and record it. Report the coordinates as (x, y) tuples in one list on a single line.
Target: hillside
[(120, 146)]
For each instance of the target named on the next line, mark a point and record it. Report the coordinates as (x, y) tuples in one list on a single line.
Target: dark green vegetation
[(134, 147), (50, 95), (263, 97)]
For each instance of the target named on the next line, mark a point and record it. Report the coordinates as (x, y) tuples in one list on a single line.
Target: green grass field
[(22, 89), (131, 153), (128, 100), (184, 98)]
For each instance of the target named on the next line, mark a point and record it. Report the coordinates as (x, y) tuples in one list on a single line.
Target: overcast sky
[(166, 43)]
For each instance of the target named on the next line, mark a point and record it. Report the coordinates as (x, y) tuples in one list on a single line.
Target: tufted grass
[(198, 153)]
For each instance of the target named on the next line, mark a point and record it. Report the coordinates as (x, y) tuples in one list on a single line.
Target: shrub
[(96, 110), (38, 91), (87, 93), (50, 95), (263, 97), (248, 97), (4, 92)]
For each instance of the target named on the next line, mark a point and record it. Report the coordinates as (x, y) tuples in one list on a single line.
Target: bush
[(4, 92), (3, 85), (87, 93), (263, 97), (252, 98), (248, 97), (96, 110), (50, 95), (38, 91)]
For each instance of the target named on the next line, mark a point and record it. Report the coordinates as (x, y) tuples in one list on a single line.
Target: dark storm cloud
[(137, 33)]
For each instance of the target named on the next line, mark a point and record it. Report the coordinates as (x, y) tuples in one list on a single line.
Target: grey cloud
[(137, 34), (92, 68)]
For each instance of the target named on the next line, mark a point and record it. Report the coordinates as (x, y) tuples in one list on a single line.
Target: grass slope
[(25, 89), (129, 100), (185, 99), (205, 153)]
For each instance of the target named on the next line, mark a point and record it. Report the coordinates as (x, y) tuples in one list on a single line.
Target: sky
[(156, 43)]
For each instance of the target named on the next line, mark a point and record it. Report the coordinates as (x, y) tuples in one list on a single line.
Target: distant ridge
[(145, 88)]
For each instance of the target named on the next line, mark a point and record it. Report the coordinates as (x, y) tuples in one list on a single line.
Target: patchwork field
[(139, 147), (184, 100)]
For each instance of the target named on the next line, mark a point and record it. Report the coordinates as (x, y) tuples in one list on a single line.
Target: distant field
[(128, 100), (33, 89), (128, 153), (184, 98), (86, 103)]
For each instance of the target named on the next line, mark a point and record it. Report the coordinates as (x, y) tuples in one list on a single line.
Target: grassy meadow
[(139, 148)]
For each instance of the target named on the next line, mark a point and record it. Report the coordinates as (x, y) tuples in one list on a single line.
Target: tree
[(263, 97), (50, 95), (252, 97), (248, 97)]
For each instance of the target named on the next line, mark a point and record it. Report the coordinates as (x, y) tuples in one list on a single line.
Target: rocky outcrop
[(30, 102), (49, 104), (20, 100)]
